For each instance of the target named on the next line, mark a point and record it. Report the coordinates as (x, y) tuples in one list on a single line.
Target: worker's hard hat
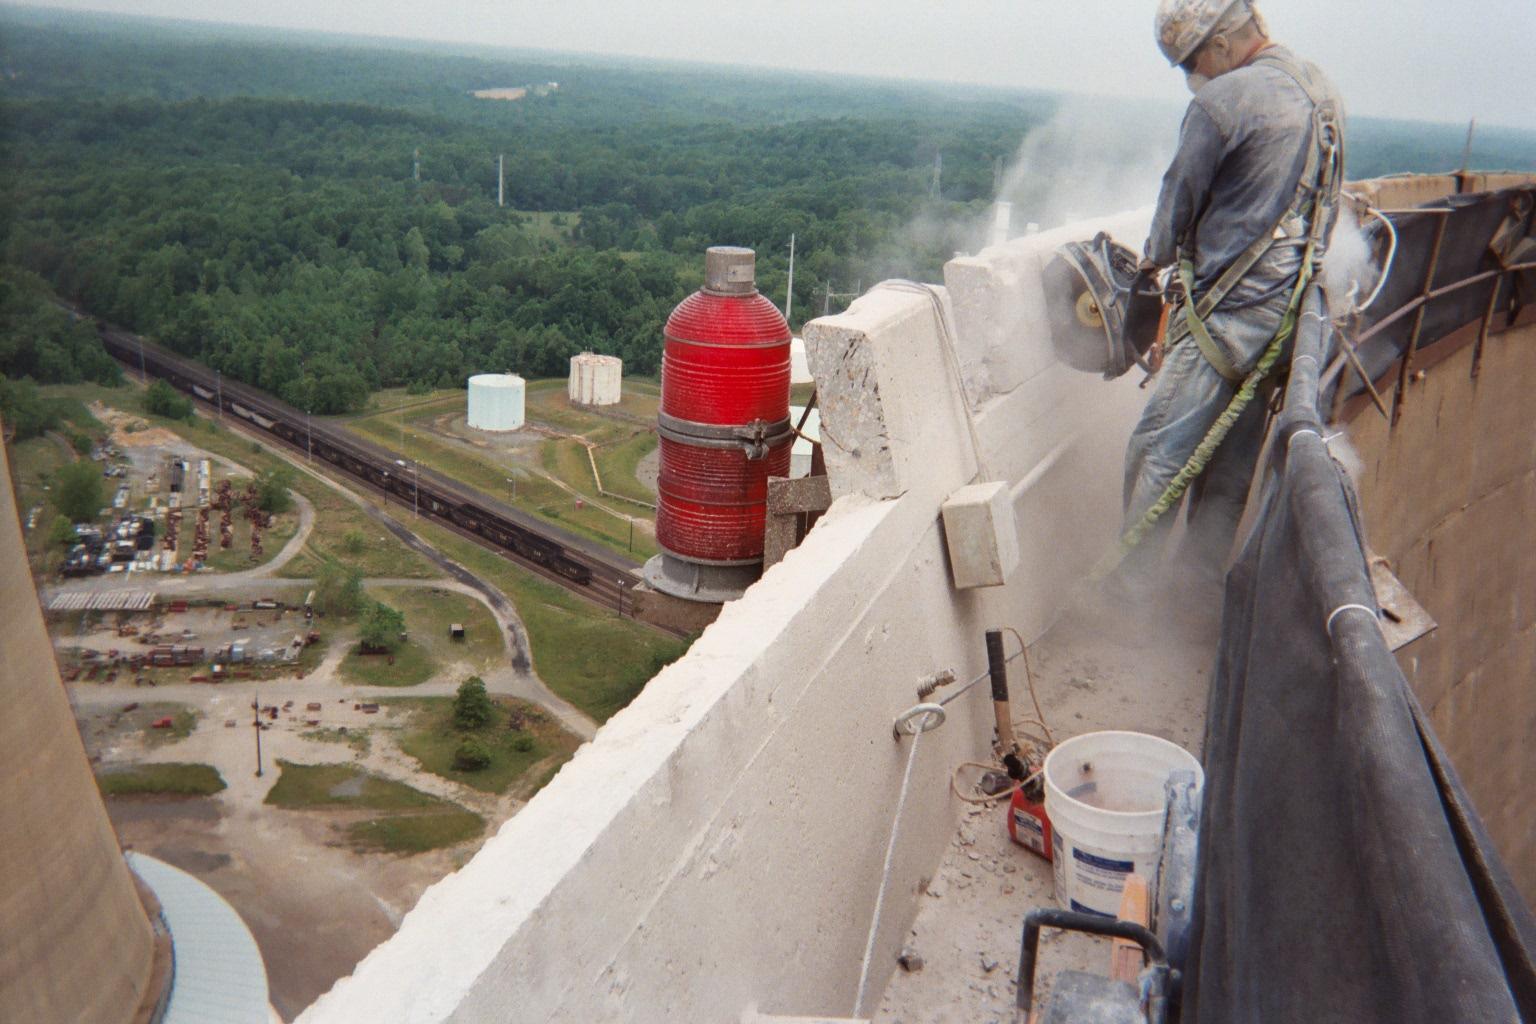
[(1182, 25)]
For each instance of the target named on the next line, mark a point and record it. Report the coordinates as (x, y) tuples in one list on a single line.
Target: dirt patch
[(129, 431), (648, 469), (315, 909)]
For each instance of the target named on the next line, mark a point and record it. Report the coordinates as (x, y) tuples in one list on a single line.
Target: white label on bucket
[(1100, 873)]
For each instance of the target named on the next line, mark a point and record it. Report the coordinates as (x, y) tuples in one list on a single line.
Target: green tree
[(382, 626), (163, 400), (77, 490), (23, 409), (272, 489), (471, 755), (472, 706), (62, 533), (338, 588)]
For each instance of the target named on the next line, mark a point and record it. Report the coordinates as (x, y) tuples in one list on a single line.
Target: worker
[(1248, 200)]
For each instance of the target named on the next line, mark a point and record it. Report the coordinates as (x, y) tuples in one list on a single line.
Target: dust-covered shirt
[(1242, 149)]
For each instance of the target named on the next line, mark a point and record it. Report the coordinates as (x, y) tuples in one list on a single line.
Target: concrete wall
[(1449, 499), (718, 847), (75, 944)]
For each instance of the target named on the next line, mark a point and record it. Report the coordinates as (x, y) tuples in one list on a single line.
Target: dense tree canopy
[(253, 202)]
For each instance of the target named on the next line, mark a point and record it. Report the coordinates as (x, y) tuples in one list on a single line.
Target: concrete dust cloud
[(1350, 268), (1090, 159)]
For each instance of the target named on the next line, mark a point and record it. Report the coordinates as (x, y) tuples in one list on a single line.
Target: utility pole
[(1466, 153), (501, 179), (256, 722), (309, 439), (416, 166), (511, 489), (789, 290), (218, 381), (938, 175), (826, 300), (143, 374)]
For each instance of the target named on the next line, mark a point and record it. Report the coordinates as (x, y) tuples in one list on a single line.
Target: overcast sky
[(1423, 59)]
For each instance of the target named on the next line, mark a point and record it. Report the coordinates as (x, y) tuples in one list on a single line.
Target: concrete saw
[(1105, 314)]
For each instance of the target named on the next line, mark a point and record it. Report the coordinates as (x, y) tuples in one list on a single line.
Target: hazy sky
[(1423, 59)]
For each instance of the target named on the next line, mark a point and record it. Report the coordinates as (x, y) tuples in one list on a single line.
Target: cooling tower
[(78, 944)]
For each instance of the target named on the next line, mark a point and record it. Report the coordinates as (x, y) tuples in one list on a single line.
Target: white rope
[(953, 358), (885, 877), (1341, 609), (1386, 264)]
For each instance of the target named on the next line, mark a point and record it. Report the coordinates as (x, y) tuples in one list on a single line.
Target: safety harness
[(1309, 216)]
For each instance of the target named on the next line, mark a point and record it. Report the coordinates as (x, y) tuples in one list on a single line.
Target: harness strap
[(1196, 327), (1315, 189)]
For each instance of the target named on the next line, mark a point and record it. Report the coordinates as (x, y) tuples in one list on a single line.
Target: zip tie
[(1346, 607), (1315, 315)]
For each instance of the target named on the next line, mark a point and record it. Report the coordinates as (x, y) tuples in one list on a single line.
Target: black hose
[(1093, 924)]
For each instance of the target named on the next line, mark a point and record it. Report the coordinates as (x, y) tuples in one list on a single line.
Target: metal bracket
[(919, 718), (755, 439)]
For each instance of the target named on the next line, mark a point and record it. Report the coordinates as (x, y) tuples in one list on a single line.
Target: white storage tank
[(595, 379), (496, 401)]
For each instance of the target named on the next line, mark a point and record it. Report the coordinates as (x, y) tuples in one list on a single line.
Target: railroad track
[(573, 562)]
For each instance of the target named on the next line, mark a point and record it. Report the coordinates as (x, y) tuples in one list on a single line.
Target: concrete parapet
[(717, 850)]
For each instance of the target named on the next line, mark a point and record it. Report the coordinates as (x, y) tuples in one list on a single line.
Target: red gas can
[(1028, 824), (724, 422)]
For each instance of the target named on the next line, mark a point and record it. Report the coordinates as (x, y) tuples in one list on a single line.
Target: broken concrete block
[(982, 535)]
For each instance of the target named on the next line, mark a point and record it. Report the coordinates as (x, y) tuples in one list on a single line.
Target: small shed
[(456, 630)]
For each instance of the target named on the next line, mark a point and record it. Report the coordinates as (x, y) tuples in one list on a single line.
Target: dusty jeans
[(1188, 398)]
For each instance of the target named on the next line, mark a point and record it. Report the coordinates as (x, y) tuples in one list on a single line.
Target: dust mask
[(1196, 82)]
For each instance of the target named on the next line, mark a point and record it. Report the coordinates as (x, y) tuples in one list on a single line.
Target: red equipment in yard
[(725, 429)]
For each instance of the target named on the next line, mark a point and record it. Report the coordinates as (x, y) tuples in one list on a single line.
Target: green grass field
[(183, 721), (33, 464), (169, 779), (414, 822), (358, 739), (428, 613), (589, 656), (402, 424), (430, 737)]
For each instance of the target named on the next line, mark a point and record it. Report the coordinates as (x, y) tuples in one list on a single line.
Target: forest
[(317, 216)]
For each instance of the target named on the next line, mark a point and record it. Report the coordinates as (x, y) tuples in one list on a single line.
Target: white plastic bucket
[(1105, 798)]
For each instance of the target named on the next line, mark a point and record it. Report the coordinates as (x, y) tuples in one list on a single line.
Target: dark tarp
[(1475, 233), (1344, 875)]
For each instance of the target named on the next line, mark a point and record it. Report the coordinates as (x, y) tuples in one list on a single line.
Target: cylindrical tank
[(724, 426), (595, 379), (496, 401)]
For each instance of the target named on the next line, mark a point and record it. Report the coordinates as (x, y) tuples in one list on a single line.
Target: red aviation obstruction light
[(724, 426)]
